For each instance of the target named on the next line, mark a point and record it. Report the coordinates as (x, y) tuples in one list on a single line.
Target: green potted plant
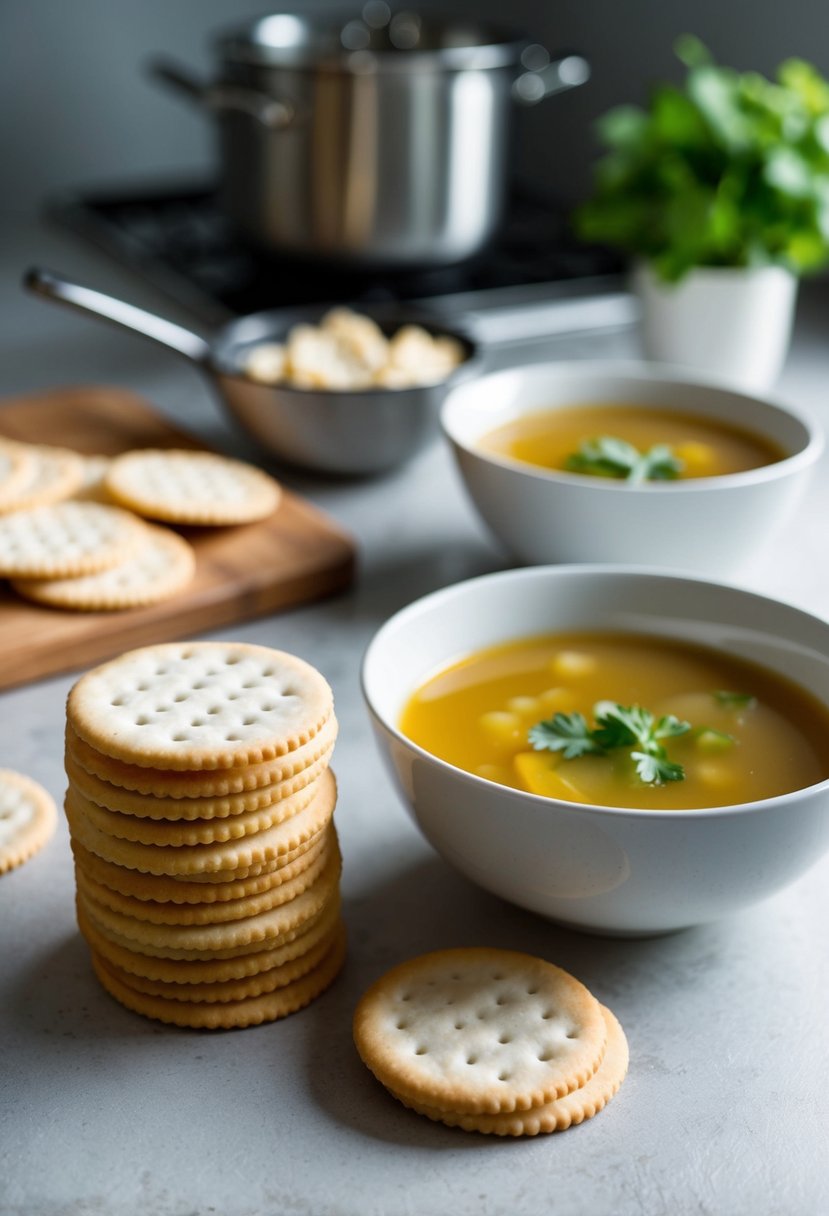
[(719, 189)]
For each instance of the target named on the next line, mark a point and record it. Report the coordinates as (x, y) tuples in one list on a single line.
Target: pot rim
[(311, 46)]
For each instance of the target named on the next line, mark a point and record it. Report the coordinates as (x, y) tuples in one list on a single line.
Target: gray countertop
[(102, 1112)]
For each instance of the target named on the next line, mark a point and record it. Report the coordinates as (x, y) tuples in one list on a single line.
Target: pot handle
[(183, 341), (220, 98), (544, 76)]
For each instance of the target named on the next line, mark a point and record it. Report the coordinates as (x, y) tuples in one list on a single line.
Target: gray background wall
[(76, 107)]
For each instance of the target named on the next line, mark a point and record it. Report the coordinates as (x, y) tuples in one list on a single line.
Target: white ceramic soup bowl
[(709, 525), (599, 868)]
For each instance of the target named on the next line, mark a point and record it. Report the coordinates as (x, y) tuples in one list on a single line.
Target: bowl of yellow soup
[(621, 750), (628, 463)]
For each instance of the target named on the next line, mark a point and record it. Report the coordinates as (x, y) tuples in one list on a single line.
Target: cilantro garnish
[(607, 456), (617, 726)]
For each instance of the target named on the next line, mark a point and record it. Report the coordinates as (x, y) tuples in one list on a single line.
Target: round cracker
[(225, 1015), (147, 806), (212, 970), (16, 467), (556, 1116), (230, 990), (163, 565), (220, 856), (52, 474), (265, 927), (199, 705), (164, 783), (480, 1031), (66, 540), (27, 818), (191, 487), (216, 912), (185, 833), (163, 889)]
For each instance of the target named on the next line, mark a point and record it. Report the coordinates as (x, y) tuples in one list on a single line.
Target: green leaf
[(734, 700), (657, 769), (729, 169), (669, 726), (691, 51), (565, 733), (607, 456), (710, 740)]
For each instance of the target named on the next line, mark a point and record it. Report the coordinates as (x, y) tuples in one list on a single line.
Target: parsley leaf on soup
[(617, 727), (607, 456)]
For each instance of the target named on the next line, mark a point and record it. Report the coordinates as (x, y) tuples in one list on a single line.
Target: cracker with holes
[(27, 818), (199, 705), (53, 474), (165, 784), (191, 487), (16, 466), (148, 806), (161, 567), (66, 540), (480, 1031), (556, 1116)]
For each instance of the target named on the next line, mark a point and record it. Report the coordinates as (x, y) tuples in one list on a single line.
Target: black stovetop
[(179, 240)]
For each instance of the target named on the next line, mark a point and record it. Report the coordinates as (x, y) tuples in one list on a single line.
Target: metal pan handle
[(175, 337), (269, 111)]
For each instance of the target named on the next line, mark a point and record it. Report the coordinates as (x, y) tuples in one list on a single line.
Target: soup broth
[(705, 447), (751, 734)]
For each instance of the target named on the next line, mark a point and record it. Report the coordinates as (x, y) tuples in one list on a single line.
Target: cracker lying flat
[(164, 888), (169, 912), (199, 705), (480, 1031), (207, 971), (217, 783), (27, 818), (181, 833), (54, 474), (145, 806), (555, 1116), (66, 540), (191, 487), (16, 465), (224, 1015), (222, 856), (161, 567), (265, 927), (230, 990)]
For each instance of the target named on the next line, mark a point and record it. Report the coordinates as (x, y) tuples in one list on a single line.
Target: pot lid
[(377, 41)]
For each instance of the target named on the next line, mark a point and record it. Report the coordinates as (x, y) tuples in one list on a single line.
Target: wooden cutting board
[(296, 555)]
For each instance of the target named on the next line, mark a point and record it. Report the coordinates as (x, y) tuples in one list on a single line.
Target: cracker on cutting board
[(27, 818), (66, 540), (199, 705), (162, 566), (556, 1116), (187, 487), (480, 1031), (16, 469)]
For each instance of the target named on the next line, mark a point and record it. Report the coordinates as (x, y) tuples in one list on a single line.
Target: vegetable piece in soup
[(622, 720), (631, 443)]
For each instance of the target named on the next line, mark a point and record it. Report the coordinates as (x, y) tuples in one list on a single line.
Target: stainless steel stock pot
[(383, 140)]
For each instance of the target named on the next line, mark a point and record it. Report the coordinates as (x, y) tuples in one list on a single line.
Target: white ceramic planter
[(734, 324)]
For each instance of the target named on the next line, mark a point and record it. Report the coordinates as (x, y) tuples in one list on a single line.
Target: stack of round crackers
[(200, 807), (491, 1041)]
